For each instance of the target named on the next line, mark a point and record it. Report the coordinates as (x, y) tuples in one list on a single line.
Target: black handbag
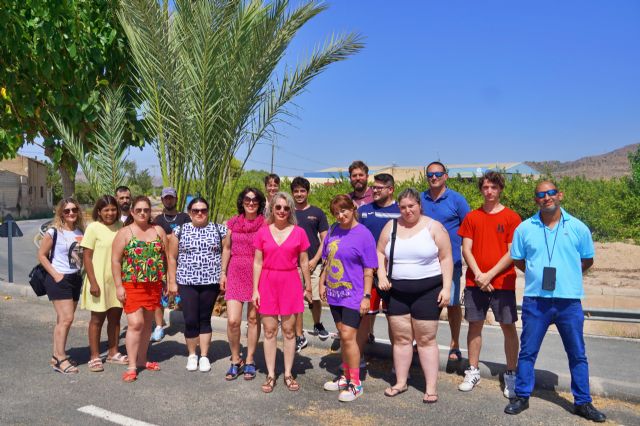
[(38, 274), (386, 294)]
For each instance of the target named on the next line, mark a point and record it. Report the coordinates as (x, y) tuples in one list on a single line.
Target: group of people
[(400, 254)]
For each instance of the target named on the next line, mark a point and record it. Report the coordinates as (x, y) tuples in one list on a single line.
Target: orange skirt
[(142, 295)]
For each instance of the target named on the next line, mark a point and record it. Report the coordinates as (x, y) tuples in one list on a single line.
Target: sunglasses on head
[(139, 210), (279, 207), (436, 174), (200, 211), (71, 210), (250, 200), (550, 193)]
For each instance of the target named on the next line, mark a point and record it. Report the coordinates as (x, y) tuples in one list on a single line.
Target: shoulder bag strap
[(53, 247), (393, 244)]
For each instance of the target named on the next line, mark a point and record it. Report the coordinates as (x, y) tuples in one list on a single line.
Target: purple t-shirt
[(348, 252)]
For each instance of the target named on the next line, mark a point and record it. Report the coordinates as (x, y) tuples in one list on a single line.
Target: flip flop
[(430, 401), (392, 392), (457, 353), (118, 358)]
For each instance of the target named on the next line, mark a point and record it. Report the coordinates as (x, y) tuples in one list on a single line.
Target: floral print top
[(143, 261)]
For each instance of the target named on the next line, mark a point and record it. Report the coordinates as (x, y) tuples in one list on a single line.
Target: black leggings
[(197, 306), (419, 298)]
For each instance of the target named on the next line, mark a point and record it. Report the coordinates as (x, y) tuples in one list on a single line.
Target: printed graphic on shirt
[(336, 288), (75, 254)]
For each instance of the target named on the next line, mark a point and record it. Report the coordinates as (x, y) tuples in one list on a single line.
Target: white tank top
[(416, 257)]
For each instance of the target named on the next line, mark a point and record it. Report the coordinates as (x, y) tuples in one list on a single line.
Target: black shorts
[(347, 316), (416, 297), (502, 303), (68, 288)]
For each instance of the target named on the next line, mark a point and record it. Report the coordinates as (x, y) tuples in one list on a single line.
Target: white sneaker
[(352, 393), (337, 385), (509, 385), (192, 363), (471, 378), (204, 365)]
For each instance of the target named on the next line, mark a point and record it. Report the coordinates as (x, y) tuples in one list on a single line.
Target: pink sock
[(355, 376), (345, 370)]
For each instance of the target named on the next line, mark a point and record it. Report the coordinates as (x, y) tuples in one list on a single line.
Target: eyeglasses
[(550, 193), (379, 188), (279, 207), (71, 210), (436, 174), (199, 211), (139, 211), (250, 200)]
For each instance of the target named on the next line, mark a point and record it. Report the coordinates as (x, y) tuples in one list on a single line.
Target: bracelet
[(366, 296)]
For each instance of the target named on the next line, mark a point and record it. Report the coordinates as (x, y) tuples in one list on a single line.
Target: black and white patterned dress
[(199, 253)]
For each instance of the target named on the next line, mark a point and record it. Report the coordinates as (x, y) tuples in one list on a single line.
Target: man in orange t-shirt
[(491, 277)]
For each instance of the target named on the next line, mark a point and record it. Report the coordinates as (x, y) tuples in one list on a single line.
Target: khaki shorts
[(315, 281)]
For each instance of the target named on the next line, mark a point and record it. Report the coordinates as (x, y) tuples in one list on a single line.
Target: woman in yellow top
[(99, 290)]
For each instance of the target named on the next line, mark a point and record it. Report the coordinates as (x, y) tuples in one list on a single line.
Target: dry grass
[(333, 416)]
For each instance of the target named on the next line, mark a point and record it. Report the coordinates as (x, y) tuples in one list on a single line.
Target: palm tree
[(211, 81), (103, 164)]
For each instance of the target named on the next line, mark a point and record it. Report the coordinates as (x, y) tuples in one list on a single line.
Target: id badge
[(549, 278)]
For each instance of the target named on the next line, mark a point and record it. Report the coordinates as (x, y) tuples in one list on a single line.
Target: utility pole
[(273, 152)]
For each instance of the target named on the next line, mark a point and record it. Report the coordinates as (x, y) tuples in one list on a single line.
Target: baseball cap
[(168, 192)]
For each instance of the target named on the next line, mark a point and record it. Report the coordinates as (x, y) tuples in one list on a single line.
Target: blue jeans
[(537, 314)]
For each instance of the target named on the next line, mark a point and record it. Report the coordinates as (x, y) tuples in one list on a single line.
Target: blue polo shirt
[(572, 243), (449, 209), (374, 217)]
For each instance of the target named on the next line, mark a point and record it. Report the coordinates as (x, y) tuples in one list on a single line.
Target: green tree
[(103, 161), (634, 162), (55, 57), (211, 80)]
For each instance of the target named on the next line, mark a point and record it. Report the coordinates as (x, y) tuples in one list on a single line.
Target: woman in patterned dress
[(237, 279), (194, 260), (138, 267)]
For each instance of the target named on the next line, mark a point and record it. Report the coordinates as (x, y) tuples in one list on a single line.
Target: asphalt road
[(24, 251), (31, 393)]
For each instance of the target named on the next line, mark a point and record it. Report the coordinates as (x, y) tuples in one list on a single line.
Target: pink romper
[(240, 268), (280, 286)]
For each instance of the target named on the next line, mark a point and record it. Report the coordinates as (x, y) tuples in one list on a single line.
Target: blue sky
[(465, 81)]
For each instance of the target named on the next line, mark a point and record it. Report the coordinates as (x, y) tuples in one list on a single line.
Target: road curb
[(545, 379)]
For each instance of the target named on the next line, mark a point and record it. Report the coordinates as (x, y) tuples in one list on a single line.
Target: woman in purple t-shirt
[(349, 254)]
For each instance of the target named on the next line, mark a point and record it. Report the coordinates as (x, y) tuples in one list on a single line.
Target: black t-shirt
[(169, 222), (313, 221)]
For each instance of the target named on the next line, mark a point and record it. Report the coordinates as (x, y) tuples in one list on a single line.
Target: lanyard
[(544, 229)]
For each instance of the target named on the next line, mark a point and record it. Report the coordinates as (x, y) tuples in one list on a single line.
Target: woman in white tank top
[(419, 285)]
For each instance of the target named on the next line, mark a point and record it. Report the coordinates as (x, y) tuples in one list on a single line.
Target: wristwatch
[(367, 296)]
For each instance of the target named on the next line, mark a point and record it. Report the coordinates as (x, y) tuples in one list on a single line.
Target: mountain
[(605, 166)]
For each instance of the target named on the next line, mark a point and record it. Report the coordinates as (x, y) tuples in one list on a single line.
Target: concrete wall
[(23, 187)]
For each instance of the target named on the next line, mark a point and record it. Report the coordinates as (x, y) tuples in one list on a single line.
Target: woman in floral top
[(138, 265)]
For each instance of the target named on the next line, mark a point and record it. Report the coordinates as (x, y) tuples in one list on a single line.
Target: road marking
[(112, 417)]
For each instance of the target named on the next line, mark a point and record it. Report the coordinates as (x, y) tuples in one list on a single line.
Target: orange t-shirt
[(491, 235)]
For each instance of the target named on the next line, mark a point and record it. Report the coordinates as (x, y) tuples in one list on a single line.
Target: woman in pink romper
[(277, 290), (237, 279)]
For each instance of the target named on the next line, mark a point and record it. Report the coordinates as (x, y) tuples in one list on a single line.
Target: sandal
[(432, 400), (130, 375), (151, 366), (291, 383), (234, 371), (250, 371), (391, 392), (267, 387), (118, 358), (457, 355), (95, 365), (70, 369)]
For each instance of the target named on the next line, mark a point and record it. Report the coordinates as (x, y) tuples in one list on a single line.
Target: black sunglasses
[(550, 193)]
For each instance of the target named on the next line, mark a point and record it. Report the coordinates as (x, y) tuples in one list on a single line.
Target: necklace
[(169, 221)]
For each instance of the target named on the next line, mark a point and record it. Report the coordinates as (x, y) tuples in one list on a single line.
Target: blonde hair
[(58, 218), (292, 208)]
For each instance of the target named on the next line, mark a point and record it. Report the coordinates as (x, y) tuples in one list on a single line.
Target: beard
[(125, 207), (358, 186)]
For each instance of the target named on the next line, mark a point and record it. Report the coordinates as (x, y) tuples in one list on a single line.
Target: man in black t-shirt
[(168, 220), (314, 222)]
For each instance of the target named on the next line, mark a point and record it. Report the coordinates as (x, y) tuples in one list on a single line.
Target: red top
[(491, 235)]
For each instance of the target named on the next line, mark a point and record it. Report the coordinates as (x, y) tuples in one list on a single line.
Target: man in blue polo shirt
[(375, 216), (553, 249), (449, 208)]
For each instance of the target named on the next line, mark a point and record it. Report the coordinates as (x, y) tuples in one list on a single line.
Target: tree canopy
[(55, 58)]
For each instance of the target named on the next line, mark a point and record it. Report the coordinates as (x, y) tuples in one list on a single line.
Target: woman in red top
[(138, 265)]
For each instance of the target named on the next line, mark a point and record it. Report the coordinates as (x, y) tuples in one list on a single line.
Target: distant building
[(404, 173), (23, 188)]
